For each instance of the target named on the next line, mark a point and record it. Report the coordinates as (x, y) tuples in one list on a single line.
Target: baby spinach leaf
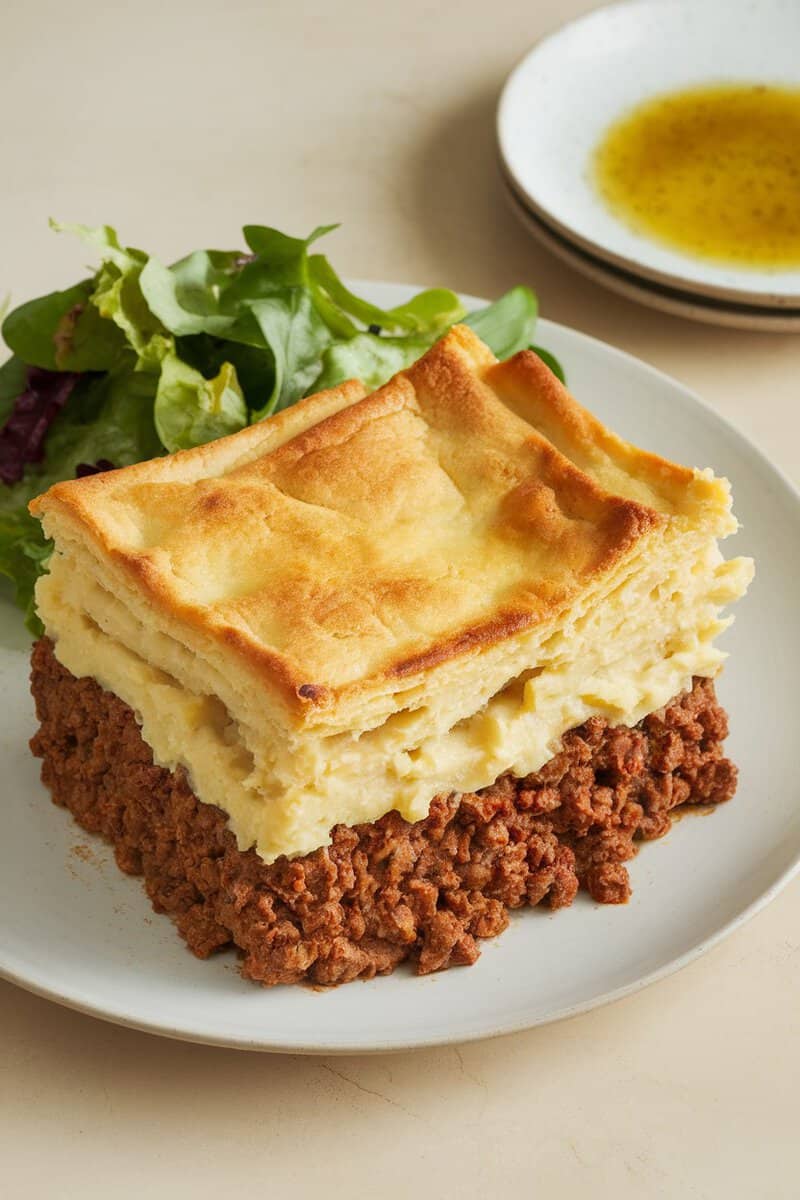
[(432, 311), (86, 341), (325, 279), (29, 331), (296, 336), (285, 256), (507, 325)]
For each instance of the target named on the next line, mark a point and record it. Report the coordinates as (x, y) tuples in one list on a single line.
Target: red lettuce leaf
[(22, 437)]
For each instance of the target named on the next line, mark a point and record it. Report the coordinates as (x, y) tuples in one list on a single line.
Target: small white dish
[(563, 96), (74, 929), (654, 295)]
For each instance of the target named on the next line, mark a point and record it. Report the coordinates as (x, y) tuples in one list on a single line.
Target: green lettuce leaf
[(117, 293), (432, 311), (24, 552), (507, 325), (105, 240), (369, 357), (191, 410), (108, 416), (86, 327), (210, 291), (118, 297), (254, 367), (187, 297)]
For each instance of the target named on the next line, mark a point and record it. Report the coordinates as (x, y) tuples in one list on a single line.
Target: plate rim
[(763, 297), (201, 1037), (686, 305), (200, 1033)]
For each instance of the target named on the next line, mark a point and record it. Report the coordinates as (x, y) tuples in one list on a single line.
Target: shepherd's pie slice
[(365, 602)]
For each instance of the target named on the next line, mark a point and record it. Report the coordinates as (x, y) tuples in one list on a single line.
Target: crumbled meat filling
[(387, 891)]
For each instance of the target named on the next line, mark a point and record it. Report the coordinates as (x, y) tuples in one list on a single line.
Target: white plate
[(76, 930), (654, 295), (559, 101)]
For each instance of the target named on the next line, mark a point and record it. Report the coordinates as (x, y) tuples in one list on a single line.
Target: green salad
[(143, 358)]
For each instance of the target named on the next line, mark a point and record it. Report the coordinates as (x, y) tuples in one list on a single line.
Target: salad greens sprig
[(143, 358)]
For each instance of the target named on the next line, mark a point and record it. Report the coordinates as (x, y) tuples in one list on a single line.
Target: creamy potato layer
[(621, 660)]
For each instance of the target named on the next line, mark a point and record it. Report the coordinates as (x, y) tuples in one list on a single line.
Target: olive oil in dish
[(714, 171)]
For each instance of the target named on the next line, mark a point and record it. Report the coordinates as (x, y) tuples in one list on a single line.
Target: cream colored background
[(178, 122)]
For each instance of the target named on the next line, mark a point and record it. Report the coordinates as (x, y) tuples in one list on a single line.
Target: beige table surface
[(179, 122)]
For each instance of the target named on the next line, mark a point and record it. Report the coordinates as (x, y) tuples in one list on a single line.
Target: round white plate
[(560, 100), (654, 295), (76, 930)]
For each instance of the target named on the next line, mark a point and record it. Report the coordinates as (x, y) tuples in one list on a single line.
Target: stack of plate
[(560, 100)]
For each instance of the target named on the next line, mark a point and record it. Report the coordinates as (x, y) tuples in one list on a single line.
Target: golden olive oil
[(711, 170)]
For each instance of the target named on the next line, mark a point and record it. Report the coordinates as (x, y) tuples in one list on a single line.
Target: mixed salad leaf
[(144, 358)]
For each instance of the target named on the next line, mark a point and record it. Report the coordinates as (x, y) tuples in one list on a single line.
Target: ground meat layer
[(387, 891)]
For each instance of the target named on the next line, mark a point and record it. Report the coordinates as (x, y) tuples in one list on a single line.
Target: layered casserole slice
[(383, 667)]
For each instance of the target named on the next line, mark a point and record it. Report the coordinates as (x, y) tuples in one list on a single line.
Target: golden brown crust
[(530, 389), (352, 541)]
